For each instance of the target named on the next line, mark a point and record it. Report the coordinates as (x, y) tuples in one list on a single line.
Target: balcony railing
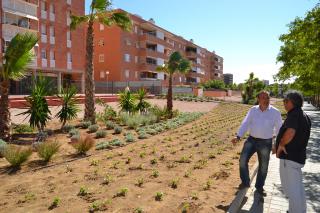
[(43, 14), (9, 31), (69, 65), (44, 38), (52, 40), (23, 7), (69, 43), (52, 17), (44, 62), (191, 54), (52, 63)]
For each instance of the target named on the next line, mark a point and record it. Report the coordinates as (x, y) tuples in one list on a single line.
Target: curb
[(237, 201)]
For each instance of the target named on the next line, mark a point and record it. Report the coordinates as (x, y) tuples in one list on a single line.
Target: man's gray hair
[(295, 97), (263, 92)]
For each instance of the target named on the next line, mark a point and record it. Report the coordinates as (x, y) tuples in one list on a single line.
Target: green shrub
[(23, 128), (55, 203), (158, 196), (73, 132), (142, 135), (108, 112), (109, 125), (93, 128), (117, 130), (3, 145), (85, 124), (101, 133), (67, 127), (84, 144), (127, 102), (47, 149), (16, 155), (103, 145), (129, 137), (116, 142), (133, 122)]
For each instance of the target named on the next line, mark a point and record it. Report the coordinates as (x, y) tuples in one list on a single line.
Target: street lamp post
[(107, 73)]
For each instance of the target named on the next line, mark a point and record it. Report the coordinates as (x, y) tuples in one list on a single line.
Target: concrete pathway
[(275, 202)]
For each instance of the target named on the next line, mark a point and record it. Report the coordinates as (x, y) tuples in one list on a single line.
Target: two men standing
[(264, 122)]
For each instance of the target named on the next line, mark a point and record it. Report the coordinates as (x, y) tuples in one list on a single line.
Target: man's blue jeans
[(263, 149)]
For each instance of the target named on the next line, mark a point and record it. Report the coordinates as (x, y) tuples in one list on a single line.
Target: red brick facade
[(133, 56)]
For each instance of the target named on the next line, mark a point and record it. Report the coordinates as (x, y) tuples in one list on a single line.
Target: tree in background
[(300, 53), (214, 84), (16, 59), (175, 64), (251, 88), (100, 12)]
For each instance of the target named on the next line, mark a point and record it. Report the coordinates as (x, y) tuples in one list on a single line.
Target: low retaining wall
[(216, 93)]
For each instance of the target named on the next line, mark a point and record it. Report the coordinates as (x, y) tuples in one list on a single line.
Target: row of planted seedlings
[(190, 98)]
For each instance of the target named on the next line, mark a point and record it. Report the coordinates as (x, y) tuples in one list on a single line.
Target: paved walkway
[(275, 202)]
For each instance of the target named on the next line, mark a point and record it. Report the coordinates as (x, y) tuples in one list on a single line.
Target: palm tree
[(99, 12), (175, 64), (16, 58)]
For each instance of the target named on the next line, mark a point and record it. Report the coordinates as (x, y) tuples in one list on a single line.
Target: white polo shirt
[(261, 124)]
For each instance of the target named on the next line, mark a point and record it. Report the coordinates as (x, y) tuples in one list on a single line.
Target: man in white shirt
[(263, 123)]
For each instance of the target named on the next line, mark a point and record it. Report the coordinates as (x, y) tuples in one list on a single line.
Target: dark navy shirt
[(296, 148)]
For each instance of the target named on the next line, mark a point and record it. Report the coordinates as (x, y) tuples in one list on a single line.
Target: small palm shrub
[(47, 149), (93, 128), (16, 155), (101, 133), (69, 109), (127, 102), (84, 144), (142, 105), (109, 125), (117, 130)]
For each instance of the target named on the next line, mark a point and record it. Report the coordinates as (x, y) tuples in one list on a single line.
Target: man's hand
[(234, 140), (274, 149), (281, 149)]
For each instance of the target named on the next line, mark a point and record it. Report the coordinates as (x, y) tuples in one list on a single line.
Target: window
[(127, 73), (101, 58), (69, 58), (136, 74), (126, 57), (137, 45), (68, 35), (43, 54), (127, 42), (52, 55), (102, 74), (43, 29), (52, 34), (44, 6), (101, 42), (101, 27), (136, 58), (51, 8)]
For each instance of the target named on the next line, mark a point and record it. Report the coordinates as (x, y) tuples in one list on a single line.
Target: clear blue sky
[(245, 33)]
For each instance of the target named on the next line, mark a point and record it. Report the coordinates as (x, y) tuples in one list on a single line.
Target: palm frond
[(77, 20), (120, 19), (100, 5)]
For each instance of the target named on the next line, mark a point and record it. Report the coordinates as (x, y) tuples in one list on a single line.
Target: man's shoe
[(262, 192), (243, 186)]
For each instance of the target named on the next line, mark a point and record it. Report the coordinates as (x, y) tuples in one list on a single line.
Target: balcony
[(69, 65), (52, 63), (9, 31), (150, 38), (52, 40), (21, 8), (52, 17), (43, 14), (149, 76), (69, 43), (145, 52), (191, 54), (44, 63), (44, 38)]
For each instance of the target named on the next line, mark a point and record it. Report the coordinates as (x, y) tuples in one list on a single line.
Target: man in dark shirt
[(291, 145)]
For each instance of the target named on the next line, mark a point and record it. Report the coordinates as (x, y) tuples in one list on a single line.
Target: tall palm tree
[(175, 64), (16, 58), (100, 12)]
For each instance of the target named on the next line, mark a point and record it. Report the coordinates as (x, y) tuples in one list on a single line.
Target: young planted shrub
[(129, 137), (93, 128), (108, 112), (3, 145), (85, 124), (16, 155), (103, 145), (23, 128), (109, 125), (84, 144), (101, 133), (116, 142), (69, 109), (117, 130), (47, 149), (67, 127), (142, 135), (73, 132)]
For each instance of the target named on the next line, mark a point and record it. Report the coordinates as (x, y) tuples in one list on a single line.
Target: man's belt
[(259, 139)]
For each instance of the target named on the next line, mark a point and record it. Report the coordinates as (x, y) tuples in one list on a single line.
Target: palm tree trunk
[(169, 97), (5, 121), (89, 113)]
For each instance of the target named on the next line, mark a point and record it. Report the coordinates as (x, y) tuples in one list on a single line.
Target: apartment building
[(60, 53), (134, 56)]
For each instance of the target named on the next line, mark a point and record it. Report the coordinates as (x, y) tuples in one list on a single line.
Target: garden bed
[(193, 167)]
